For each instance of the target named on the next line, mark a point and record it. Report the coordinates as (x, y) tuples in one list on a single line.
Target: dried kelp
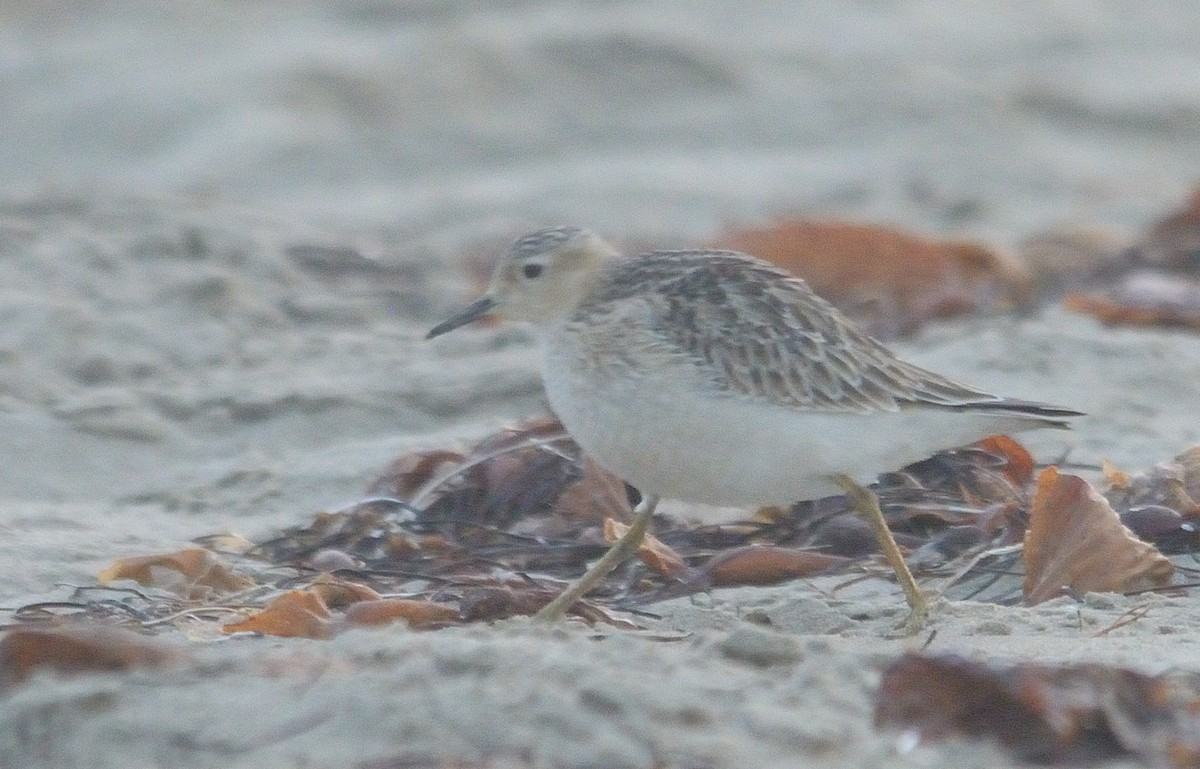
[(1156, 281), (890, 281), (1049, 715), (495, 530)]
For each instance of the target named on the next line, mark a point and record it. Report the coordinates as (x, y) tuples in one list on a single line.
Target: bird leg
[(866, 504), (620, 550)]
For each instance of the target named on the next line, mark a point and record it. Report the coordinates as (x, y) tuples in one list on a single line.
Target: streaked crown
[(541, 279)]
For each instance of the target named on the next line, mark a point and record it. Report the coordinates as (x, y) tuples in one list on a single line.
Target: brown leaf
[(948, 696), (1189, 465), (1114, 477), (597, 496), (295, 614), (504, 478), (506, 453), (78, 650), (900, 279), (765, 565), (385, 611), (653, 552), (409, 473), (335, 593), (1066, 715), (1143, 299), (487, 604), (1018, 462), (191, 573), (1076, 540)]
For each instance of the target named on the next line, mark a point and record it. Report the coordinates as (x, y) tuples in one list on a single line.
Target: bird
[(716, 377)]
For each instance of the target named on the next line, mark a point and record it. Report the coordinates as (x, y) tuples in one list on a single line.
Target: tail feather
[(1044, 413)]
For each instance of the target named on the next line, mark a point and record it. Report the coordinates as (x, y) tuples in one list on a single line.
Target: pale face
[(541, 279)]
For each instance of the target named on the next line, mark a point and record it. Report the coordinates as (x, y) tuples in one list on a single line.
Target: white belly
[(676, 442)]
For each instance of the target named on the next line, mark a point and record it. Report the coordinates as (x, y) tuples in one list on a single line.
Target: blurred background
[(663, 119)]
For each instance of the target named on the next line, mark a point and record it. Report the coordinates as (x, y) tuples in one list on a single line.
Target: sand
[(225, 229)]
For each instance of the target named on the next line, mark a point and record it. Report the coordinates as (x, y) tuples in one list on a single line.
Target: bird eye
[(531, 271)]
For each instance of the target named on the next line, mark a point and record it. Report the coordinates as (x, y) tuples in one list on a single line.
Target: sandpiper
[(716, 377)]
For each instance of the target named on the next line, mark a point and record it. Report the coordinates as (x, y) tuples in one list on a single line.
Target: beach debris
[(496, 602), (890, 281), (1045, 714), (337, 593), (492, 531), (295, 614), (1156, 281), (191, 573), (448, 537), (1173, 242), (309, 612), (1162, 504), (1174, 483), (762, 565), (659, 556), (1074, 258), (1016, 463), (80, 649), (532, 471), (1077, 542), (1143, 298), (493, 602), (413, 612), (598, 494)]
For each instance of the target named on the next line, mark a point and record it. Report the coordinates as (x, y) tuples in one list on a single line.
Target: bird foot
[(621, 549), (866, 504)]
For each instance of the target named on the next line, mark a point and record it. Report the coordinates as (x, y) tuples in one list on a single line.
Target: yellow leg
[(620, 550), (864, 501)]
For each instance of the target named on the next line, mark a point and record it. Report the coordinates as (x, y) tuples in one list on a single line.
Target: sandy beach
[(225, 229)]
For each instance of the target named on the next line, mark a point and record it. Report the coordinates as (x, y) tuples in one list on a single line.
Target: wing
[(752, 330)]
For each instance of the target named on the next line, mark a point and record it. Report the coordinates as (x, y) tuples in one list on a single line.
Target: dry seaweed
[(1050, 715), (1156, 281), (1143, 299), (78, 650), (890, 281), (493, 531)]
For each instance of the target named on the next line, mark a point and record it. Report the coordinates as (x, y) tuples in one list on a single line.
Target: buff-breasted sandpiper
[(716, 377)]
